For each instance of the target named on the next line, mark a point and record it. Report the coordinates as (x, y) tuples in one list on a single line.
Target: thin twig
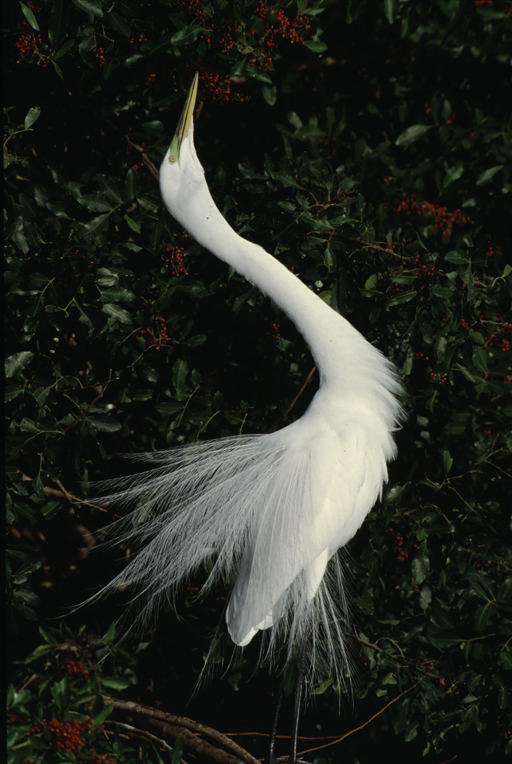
[(84, 412), (143, 733), (64, 494), (292, 404), (338, 739), (145, 158), (376, 246)]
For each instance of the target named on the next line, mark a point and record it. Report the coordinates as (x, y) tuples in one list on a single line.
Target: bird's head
[(181, 174)]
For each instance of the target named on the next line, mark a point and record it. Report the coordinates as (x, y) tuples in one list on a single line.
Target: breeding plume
[(268, 511)]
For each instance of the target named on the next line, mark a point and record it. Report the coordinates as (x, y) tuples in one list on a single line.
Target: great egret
[(273, 508)]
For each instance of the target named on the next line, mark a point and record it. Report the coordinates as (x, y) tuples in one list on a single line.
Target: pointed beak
[(184, 123)]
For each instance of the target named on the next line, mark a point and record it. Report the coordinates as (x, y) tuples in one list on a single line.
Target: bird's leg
[(300, 669), (286, 662)]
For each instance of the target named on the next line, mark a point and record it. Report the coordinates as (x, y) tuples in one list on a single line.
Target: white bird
[(271, 510)]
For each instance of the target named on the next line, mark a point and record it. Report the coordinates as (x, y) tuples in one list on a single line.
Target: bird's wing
[(310, 508)]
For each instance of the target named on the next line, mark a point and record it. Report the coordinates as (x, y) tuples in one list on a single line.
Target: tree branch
[(171, 726)]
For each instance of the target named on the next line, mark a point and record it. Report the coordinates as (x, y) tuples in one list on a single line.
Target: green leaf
[(90, 6), (482, 616), (390, 10), (412, 134), (64, 49), (118, 294), (131, 184), (443, 292), (104, 423), (100, 717), (412, 730), (454, 173), (29, 15), (480, 359), (95, 202), (177, 753), (58, 70), (179, 375), (401, 299), (316, 46), (32, 115), (425, 597), (269, 94), (119, 24), (38, 652), (109, 188), (131, 222), (17, 362), (456, 258), (115, 683), (169, 407), (503, 699), (487, 175), (61, 692), (420, 566), (115, 311), (96, 226), (196, 340), (57, 25), (186, 35), (447, 460)]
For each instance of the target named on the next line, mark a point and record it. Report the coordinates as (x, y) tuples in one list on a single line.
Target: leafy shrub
[(367, 147)]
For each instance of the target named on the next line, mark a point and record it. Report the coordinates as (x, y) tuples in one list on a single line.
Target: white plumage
[(272, 508)]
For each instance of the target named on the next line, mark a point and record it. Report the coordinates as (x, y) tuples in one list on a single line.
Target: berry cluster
[(156, 336), (68, 734), (277, 25), (76, 669), (228, 38), (216, 84), (442, 219), (100, 55), (423, 272), (494, 249), (403, 548), (501, 337), (101, 758), (28, 44), (141, 37), (259, 47), (139, 164), (175, 261), (193, 8), (420, 270)]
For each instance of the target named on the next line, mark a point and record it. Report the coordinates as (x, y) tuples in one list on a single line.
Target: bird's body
[(274, 508)]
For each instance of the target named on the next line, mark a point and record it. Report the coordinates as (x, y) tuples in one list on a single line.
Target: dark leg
[(286, 662), (299, 678), (300, 670)]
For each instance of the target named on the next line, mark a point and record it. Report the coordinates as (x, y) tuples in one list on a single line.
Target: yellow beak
[(184, 123)]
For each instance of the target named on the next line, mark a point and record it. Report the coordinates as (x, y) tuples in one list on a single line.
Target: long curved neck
[(330, 337)]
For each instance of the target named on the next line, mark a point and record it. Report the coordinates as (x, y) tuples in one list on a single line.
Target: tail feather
[(243, 505)]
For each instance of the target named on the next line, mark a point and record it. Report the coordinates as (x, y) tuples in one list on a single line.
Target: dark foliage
[(368, 146)]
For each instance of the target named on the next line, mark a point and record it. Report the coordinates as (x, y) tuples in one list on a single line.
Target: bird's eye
[(172, 159)]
